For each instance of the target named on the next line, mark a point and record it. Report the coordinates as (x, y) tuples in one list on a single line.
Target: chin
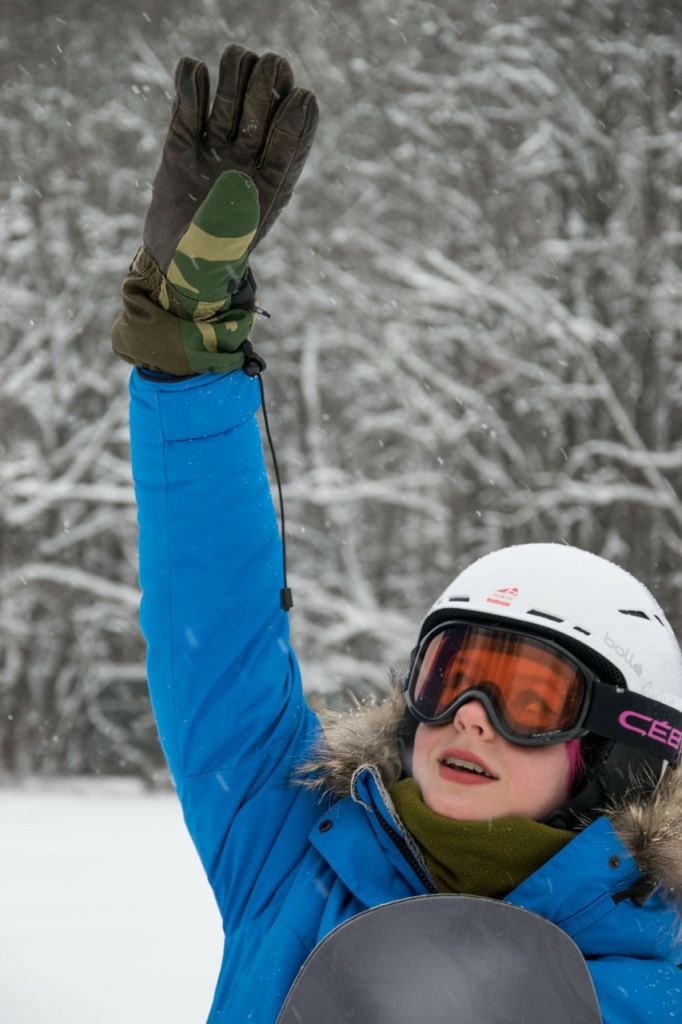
[(462, 809)]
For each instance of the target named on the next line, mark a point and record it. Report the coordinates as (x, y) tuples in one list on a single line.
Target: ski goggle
[(533, 691)]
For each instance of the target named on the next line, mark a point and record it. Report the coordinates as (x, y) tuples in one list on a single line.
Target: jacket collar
[(368, 789)]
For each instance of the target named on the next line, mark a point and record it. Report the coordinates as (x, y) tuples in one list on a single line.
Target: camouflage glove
[(225, 176)]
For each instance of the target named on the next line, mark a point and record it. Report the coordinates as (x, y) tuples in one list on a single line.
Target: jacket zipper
[(401, 844)]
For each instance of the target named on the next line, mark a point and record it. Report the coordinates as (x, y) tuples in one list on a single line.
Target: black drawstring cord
[(253, 367)]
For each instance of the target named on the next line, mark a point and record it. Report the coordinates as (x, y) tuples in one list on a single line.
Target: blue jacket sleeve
[(223, 679)]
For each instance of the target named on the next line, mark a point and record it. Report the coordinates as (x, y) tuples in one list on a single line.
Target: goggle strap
[(635, 720)]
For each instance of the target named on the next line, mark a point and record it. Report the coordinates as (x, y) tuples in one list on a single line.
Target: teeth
[(454, 762)]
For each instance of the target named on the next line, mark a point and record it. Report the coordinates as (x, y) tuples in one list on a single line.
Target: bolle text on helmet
[(625, 653)]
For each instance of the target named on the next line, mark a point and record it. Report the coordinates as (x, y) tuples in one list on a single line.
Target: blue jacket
[(287, 864)]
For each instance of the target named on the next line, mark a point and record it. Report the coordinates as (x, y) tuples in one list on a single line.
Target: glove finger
[(236, 65), (285, 153), (192, 88), (291, 135), (214, 249), (272, 80)]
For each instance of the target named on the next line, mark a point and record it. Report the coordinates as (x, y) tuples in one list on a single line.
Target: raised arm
[(224, 682)]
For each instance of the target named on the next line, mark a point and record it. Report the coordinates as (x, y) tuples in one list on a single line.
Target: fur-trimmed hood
[(369, 735)]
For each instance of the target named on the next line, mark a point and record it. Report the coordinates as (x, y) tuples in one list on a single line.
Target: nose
[(472, 716)]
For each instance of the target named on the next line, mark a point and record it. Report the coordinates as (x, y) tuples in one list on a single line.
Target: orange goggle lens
[(532, 687)]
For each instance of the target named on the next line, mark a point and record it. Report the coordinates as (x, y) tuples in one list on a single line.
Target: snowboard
[(443, 959)]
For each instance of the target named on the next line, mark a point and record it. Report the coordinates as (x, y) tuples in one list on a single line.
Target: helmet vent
[(579, 629), (459, 598), (544, 615), (635, 612)]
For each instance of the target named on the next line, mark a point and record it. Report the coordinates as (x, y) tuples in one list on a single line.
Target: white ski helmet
[(592, 608), (574, 594)]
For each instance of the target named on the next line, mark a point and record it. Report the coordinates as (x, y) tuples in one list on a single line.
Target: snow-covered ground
[(105, 913)]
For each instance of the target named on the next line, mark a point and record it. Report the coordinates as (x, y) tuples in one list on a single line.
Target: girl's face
[(526, 781)]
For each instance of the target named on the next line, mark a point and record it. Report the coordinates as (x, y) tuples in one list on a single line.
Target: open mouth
[(473, 767)]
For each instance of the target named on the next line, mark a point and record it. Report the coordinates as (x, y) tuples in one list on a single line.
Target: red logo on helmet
[(503, 596)]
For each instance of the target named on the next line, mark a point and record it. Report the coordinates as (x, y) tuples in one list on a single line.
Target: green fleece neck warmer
[(480, 858)]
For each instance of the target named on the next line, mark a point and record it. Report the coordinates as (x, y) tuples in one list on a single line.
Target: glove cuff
[(155, 331)]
